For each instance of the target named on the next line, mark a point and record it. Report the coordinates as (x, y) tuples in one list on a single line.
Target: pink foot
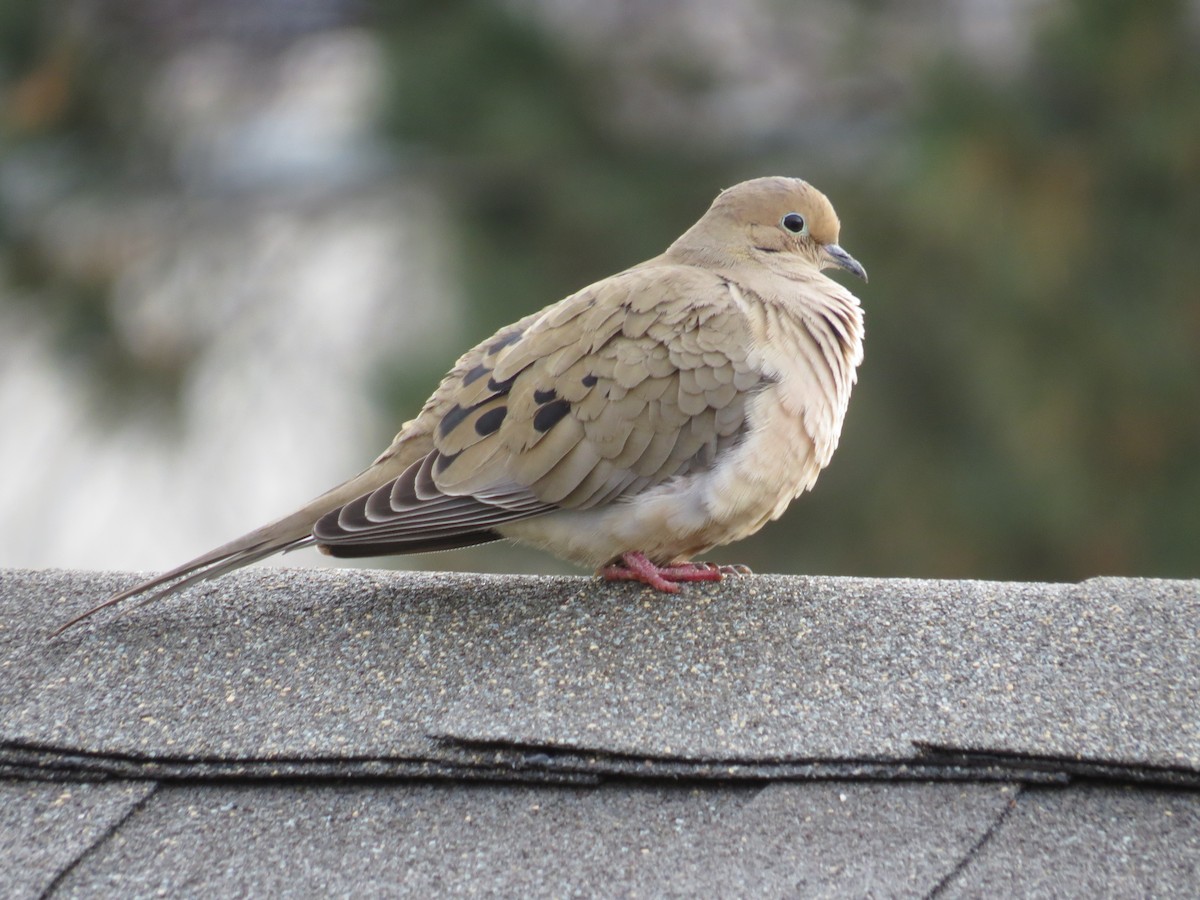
[(635, 567)]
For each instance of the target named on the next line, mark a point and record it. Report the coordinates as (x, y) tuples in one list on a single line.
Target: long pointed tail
[(202, 568), (289, 533)]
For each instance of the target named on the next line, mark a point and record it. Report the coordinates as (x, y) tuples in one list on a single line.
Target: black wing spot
[(550, 415), (475, 374), (441, 462), (489, 422), (501, 387), (452, 419), (507, 341), (545, 396), (589, 380)]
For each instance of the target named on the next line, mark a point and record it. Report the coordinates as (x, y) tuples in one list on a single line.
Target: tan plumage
[(675, 406)]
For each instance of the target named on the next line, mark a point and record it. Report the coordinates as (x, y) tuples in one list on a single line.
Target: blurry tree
[(1034, 376), (71, 127), (547, 194)]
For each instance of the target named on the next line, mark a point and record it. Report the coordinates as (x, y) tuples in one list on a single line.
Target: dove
[(676, 406)]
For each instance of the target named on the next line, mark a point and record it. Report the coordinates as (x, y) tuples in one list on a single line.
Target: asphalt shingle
[(411, 839), (290, 711), (1089, 841), (46, 827), (848, 839), (388, 673), (615, 840)]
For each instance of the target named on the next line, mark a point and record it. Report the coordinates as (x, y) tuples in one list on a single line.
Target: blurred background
[(240, 243)]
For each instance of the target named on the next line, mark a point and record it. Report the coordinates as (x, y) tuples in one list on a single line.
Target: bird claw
[(634, 566), (735, 569)]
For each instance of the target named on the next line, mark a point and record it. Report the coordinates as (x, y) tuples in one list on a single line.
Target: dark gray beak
[(843, 260)]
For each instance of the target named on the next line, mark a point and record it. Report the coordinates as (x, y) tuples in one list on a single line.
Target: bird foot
[(634, 566)]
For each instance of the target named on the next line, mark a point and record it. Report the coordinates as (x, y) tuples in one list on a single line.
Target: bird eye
[(794, 222)]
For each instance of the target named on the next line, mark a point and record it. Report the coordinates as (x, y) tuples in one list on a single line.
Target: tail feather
[(289, 533), (210, 565)]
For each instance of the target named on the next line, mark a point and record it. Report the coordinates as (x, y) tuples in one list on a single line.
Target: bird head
[(765, 217)]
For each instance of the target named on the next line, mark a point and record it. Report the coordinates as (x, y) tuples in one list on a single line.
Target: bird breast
[(807, 351)]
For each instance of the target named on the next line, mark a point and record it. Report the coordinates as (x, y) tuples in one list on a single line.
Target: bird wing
[(637, 379)]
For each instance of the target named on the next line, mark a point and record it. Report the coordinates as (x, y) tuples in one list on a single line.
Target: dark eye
[(794, 222)]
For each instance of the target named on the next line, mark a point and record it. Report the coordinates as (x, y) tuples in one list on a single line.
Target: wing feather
[(631, 382)]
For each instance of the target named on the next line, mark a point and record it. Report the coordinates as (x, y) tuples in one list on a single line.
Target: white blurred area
[(291, 266)]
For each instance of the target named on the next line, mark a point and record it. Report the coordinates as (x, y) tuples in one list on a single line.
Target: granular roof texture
[(316, 733)]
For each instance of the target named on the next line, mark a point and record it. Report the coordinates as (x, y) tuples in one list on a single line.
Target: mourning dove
[(673, 407)]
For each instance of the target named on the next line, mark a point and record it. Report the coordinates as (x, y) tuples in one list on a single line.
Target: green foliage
[(545, 193), (1045, 355), (68, 124)]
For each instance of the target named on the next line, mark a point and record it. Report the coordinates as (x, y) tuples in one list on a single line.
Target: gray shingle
[(45, 828), (857, 669), (403, 839), (616, 840), (840, 839), (279, 678), (1090, 841), (268, 673)]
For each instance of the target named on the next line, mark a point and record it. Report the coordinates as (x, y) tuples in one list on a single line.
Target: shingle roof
[(350, 730)]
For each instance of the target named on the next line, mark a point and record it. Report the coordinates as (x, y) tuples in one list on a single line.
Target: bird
[(678, 405)]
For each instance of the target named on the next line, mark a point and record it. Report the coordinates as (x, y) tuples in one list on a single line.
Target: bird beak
[(843, 260)]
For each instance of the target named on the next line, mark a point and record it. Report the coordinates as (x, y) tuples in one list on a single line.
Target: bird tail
[(289, 533)]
